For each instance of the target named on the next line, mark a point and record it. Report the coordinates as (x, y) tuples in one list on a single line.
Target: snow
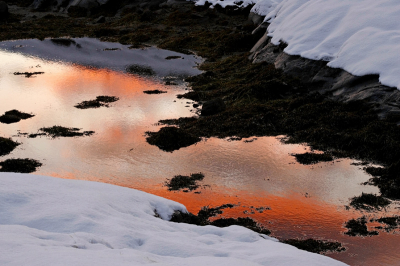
[(359, 36), (51, 221)]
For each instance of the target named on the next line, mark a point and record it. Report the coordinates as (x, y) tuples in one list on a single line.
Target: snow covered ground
[(359, 36), (51, 221)]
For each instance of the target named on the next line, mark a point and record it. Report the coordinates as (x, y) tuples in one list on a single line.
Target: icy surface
[(50, 221), (94, 53)]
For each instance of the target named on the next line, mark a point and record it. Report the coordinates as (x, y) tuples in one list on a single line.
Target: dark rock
[(339, 84), (19, 165), (41, 5), (77, 11), (3, 10), (255, 18), (147, 16), (213, 107), (14, 116), (101, 19), (63, 41), (171, 138)]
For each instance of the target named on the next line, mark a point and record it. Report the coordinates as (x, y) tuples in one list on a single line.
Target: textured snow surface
[(50, 221), (359, 36)]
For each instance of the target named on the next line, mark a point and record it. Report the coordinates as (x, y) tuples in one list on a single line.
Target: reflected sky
[(300, 201)]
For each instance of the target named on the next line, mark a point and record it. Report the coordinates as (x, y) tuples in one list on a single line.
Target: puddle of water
[(299, 201)]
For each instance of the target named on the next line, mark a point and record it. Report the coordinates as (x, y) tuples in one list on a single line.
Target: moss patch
[(358, 227), (28, 74), (14, 116), (179, 182), (19, 165), (171, 138), (369, 202), (391, 223), (59, 131), (203, 218), (7, 146), (316, 246), (98, 102), (154, 92), (313, 158), (140, 70)]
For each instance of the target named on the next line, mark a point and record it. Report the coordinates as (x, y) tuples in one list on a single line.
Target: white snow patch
[(50, 221), (359, 36)]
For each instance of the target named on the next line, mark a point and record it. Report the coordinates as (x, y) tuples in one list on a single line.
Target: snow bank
[(50, 221), (359, 36)]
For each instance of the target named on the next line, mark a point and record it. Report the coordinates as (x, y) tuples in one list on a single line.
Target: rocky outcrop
[(338, 84), (3, 10)]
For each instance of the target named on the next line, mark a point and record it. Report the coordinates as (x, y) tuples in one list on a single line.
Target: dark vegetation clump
[(112, 49), (261, 101), (245, 222), (369, 202), (63, 41), (313, 158), (171, 138), (173, 57), (14, 116), (391, 222), (316, 246), (203, 218), (154, 92), (19, 165), (98, 102), (7, 146), (387, 179), (59, 131), (358, 227), (140, 70), (179, 182), (28, 74)]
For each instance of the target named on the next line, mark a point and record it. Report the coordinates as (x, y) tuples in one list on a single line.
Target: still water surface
[(298, 201)]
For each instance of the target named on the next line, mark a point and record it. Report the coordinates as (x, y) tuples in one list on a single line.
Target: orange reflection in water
[(105, 157), (288, 217), (89, 79)]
